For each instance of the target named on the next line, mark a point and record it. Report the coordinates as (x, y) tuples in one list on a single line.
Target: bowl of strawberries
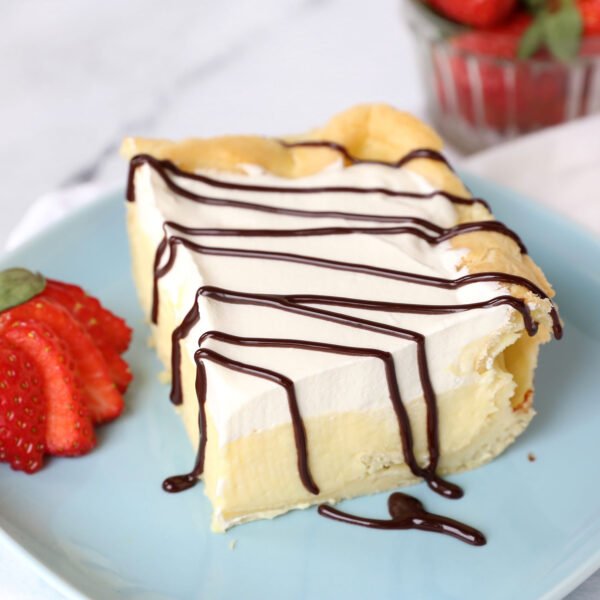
[(495, 69)]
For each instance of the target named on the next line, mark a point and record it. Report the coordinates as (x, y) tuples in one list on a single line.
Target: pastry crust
[(369, 132), (381, 133)]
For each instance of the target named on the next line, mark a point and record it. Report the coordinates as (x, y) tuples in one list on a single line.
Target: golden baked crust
[(369, 132)]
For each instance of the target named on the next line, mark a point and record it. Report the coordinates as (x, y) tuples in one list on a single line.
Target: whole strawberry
[(476, 13), (22, 410), (590, 14)]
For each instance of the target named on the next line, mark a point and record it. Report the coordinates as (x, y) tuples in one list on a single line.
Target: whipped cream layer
[(325, 383)]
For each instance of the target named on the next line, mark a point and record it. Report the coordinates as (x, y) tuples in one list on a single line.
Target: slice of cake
[(338, 315)]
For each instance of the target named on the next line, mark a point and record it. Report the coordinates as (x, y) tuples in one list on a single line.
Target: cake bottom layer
[(349, 454)]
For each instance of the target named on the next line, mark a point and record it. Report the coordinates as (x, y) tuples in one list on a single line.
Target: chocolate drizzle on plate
[(179, 234), (408, 513)]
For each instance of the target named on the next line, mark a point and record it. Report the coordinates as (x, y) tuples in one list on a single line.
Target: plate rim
[(40, 568)]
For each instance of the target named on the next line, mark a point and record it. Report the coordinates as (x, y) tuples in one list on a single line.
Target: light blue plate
[(101, 526)]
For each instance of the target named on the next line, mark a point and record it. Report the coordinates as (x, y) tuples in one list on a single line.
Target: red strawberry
[(477, 13), (69, 431), (503, 94), (97, 322), (501, 42), (590, 13), (22, 410), (102, 398), (119, 370), (590, 46), (100, 323), (480, 81)]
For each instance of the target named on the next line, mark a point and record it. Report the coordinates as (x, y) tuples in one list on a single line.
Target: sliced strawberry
[(22, 410), (100, 323), (103, 400), (478, 13), (119, 370), (69, 430)]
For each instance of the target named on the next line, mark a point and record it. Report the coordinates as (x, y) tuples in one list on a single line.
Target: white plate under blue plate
[(100, 526)]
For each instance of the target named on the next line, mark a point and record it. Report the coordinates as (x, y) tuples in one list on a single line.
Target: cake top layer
[(292, 243)]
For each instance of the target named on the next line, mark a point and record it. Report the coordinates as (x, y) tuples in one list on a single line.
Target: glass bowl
[(477, 100)]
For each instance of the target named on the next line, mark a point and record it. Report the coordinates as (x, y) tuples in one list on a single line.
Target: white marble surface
[(77, 76)]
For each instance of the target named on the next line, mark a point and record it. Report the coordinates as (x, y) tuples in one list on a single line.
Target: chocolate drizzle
[(428, 153), (193, 316), (408, 513), (296, 304), (304, 304), (442, 234), (450, 284), (164, 167)]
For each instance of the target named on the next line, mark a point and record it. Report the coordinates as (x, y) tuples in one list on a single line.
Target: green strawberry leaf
[(18, 286), (533, 38), (535, 5), (562, 32)]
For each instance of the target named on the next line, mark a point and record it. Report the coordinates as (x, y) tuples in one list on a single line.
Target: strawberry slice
[(119, 370), (69, 431), (102, 398), (22, 410), (100, 323)]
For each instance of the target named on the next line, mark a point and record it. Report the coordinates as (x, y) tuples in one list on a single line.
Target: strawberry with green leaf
[(496, 86), (55, 382), (556, 27)]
